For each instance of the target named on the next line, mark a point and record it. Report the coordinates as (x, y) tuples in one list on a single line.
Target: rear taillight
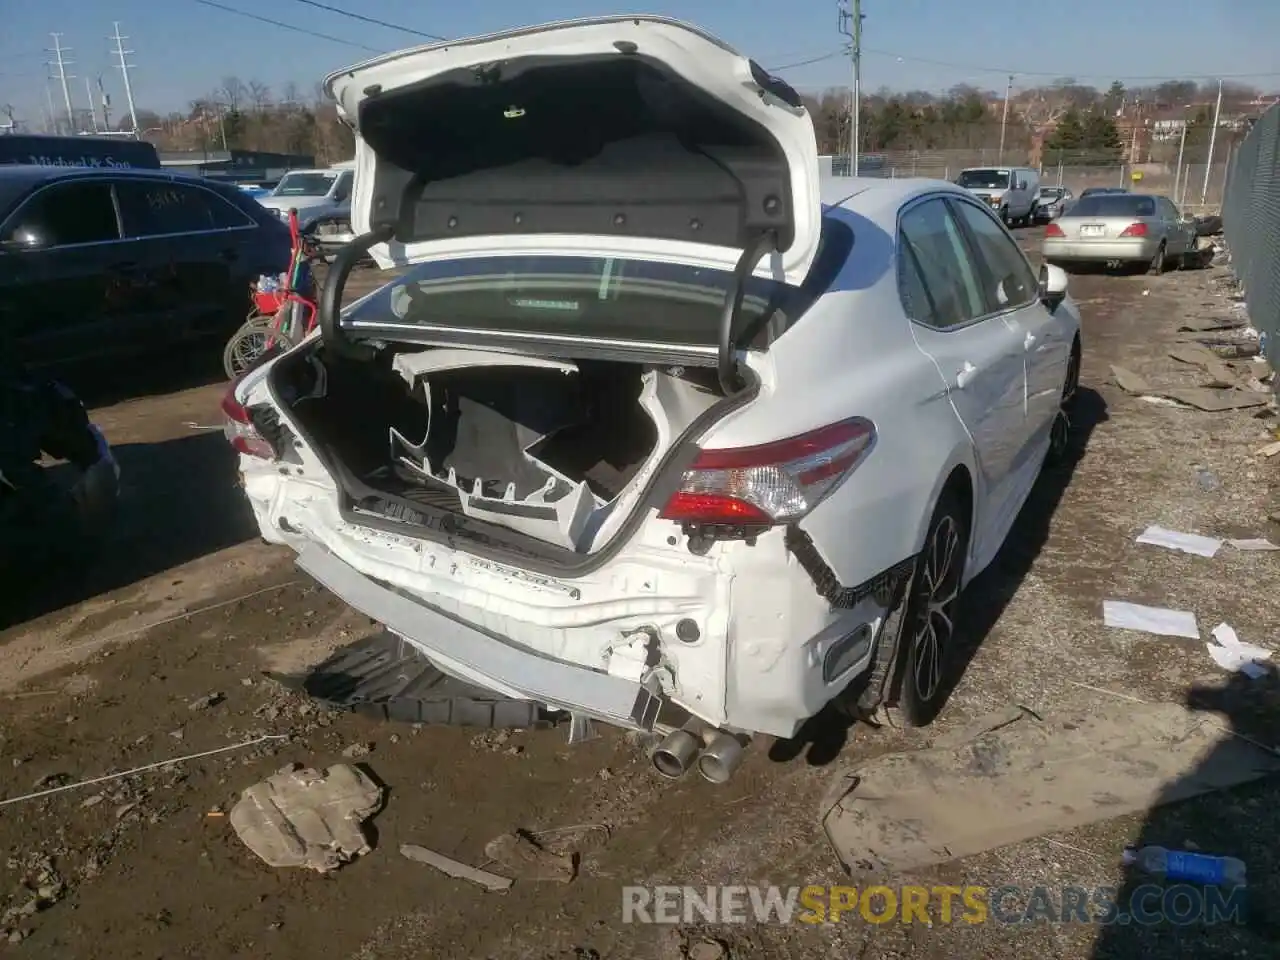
[(771, 483), (1134, 230), (1053, 230), (240, 431)]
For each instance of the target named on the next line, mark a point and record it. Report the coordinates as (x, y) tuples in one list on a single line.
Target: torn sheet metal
[(911, 810)]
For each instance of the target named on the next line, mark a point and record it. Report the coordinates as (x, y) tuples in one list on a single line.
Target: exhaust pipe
[(676, 753), (722, 757)]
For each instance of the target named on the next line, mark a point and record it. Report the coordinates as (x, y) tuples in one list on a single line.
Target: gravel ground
[(164, 655)]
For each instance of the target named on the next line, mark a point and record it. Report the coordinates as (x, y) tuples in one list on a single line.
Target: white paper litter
[(1253, 543), (1231, 653), (1185, 542), (1158, 620)]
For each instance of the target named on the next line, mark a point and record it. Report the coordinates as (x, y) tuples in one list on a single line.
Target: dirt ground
[(190, 604)]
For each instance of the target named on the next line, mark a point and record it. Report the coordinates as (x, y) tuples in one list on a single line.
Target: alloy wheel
[(938, 588)]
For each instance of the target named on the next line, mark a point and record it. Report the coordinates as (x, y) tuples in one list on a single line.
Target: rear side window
[(1007, 280), (945, 292), (67, 214), (161, 209)]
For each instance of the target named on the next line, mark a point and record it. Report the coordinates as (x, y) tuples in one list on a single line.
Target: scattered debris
[(1270, 450), (1230, 653), (708, 950), (1192, 543), (1202, 398), (1207, 480), (454, 868), (302, 817), (522, 856), (1158, 620), (1207, 360), (208, 700), (1254, 544), (357, 750)]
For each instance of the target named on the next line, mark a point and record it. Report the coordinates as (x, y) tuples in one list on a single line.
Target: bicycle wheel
[(252, 344)]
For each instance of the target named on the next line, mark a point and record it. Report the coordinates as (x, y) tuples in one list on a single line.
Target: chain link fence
[(1196, 187), (1251, 225)]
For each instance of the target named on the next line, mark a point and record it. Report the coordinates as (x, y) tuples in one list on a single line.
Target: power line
[(842, 52), (363, 19), (287, 26)]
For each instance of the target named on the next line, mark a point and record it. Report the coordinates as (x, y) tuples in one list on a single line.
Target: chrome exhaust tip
[(675, 754), (722, 757)]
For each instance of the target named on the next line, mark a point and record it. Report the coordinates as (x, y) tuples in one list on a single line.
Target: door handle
[(965, 374), (1029, 341)]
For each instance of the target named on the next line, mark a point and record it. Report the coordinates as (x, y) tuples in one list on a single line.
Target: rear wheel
[(928, 628), (1060, 433), (1156, 267)]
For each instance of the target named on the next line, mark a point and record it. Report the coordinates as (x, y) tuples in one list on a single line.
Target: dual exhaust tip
[(717, 756)]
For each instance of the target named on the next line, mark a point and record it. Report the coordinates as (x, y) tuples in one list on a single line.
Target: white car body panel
[(764, 624), (694, 55)]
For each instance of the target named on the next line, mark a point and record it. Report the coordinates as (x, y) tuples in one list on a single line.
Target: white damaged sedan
[(654, 428)]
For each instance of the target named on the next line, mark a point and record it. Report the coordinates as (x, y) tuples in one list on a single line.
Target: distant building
[(236, 165)]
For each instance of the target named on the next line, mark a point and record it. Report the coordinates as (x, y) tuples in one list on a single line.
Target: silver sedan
[(1122, 228)]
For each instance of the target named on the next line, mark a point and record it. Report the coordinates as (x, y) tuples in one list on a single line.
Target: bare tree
[(231, 93), (259, 96), (291, 96)]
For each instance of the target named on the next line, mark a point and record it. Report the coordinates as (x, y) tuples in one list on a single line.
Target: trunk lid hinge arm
[(331, 296), (726, 363)]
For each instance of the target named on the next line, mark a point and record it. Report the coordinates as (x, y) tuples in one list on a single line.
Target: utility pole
[(851, 27), (106, 105), (1004, 118), (1182, 146), (62, 63), (124, 65), (93, 111), (53, 114), (1213, 139)]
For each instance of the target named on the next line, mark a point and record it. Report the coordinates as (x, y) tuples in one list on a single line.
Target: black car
[(97, 264)]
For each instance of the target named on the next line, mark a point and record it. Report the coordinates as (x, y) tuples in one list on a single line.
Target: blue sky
[(184, 49)]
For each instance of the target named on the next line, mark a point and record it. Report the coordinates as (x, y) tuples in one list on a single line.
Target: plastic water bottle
[(1185, 866)]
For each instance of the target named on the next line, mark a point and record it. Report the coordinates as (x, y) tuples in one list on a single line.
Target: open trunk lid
[(635, 137)]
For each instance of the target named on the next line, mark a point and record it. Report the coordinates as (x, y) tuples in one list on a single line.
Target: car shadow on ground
[(1155, 917), (821, 740), (194, 364), (179, 500)]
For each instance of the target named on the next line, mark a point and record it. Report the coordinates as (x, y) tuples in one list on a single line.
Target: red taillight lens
[(1134, 230), (770, 483), (240, 431), (1053, 230)]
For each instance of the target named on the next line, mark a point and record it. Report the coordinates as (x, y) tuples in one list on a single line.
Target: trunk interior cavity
[(557, 450)]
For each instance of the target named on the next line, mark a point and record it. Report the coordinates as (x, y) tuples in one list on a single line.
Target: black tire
[(1157, 265), (1060, 432), (928, 627)]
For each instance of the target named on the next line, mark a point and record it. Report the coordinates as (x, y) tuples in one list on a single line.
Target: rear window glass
[(1114, 205)]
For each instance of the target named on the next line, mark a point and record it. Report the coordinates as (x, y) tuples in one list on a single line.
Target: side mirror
[(1053, 285), (24, 240)]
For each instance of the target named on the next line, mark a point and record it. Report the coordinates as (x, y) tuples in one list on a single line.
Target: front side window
[(1007, 280), (930, 241), (343, 189), (65, 215)]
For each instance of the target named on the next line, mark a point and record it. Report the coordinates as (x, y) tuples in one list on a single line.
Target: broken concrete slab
[(302, 817), (1129, 381), (525, 859), (1201, 356), (906, 811), (1215, 401)]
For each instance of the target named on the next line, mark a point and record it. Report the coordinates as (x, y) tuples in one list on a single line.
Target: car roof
[(27, 175), (871, 195)]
